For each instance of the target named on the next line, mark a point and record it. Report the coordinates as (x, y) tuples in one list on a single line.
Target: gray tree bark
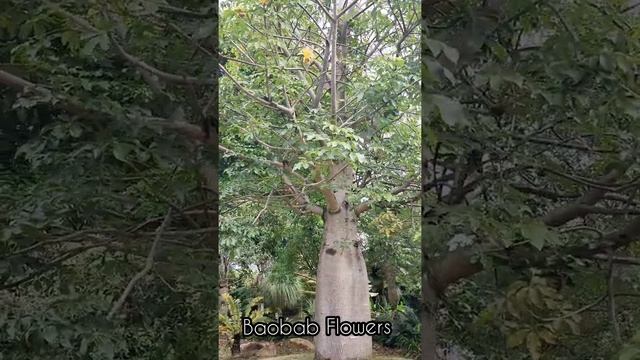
[(342, 287)]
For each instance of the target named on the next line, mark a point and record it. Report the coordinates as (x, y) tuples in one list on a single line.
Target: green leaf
[(624, 63), (206, 30), (538, 234), (121, 151), (90, 45), (25, 30), (439, 71), (459, 241), (75, 130), (11, 329), (573, 325), (301, 165), (496, 80), (548, 337), (517, 338), (499, 51), (84, 346), (534, 345), (107, 349), (70, 39), (432, 136), (451, 110), (438, 47), (629, 353), (607, 62), (50, 334), (535, 297)]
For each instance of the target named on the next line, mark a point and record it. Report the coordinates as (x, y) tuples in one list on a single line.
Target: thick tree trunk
[(342, 284), (342, 287)]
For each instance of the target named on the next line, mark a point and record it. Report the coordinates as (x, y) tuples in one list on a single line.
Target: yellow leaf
[(264, 2), (240, 11), (307, 55)]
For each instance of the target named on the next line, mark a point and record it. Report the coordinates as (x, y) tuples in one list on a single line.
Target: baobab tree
[(319, 102)]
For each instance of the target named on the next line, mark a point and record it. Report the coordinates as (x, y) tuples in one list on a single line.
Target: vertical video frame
[(108, 180), (319, 179), (530, 179)]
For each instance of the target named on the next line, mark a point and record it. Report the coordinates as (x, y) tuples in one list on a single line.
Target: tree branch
[(51, 265), (563, 144), (147, 267), (564, 214), (301, 199), (289, 112), (173, 78), (543, 192), (168, 77), (185, 12), (462, 263), (332, 203), (365, 206)]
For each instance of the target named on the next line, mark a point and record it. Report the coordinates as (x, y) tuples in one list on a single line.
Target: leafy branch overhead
[(530, 155), (108, 116), (281, 59), (319, 115)]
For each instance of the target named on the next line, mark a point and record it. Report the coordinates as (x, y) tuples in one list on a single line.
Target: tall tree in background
[(319, 105)]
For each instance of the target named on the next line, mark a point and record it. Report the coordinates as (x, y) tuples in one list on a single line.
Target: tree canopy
[(530, 143), (107, 235), (111, 161), (319, 116)]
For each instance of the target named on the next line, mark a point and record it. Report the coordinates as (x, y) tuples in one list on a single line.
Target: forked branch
[(147, 267)]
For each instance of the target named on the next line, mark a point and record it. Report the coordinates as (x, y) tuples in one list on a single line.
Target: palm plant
[(231, 322)]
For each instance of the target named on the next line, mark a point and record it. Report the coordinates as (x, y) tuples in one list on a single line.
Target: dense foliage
[(109, 171), (107, 230), (531, 155), (281, 134)]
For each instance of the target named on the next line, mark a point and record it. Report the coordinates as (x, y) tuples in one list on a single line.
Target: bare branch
[(266, 204), (543, 192), (177, 79), (147, 267), (618, 259), (62, 239), (270, 104), (563, 214), (564, 144), (301, 199), (186, 12), (324, 10), (346, 8), (52, 264)]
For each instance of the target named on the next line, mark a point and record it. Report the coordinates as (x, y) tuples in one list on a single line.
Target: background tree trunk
[(235, 347), (393, 291)]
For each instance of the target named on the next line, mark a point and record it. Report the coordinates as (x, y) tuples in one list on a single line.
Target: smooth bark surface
[(342, 281)]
